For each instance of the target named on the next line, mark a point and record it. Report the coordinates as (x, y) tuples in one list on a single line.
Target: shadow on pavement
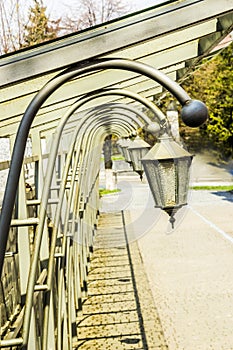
[(226, 195)]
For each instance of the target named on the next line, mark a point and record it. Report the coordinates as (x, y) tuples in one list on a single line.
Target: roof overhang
[(170, 37)]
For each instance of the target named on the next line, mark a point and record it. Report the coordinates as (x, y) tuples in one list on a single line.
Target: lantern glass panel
[(126, 154), (118, 145), (183, 170), (153, 177), (168, 182), (136, 155)]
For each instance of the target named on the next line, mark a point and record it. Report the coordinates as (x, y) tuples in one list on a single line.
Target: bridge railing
[(63, 252)]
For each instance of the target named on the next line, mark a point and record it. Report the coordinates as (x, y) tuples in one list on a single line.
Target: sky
[(56, 8)]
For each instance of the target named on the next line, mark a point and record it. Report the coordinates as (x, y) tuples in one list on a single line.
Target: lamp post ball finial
[(194, 113)]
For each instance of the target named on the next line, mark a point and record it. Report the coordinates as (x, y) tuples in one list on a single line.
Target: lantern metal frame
[(167, 168)]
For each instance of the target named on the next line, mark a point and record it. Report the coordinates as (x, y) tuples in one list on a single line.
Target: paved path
[(189, 269), (119, 312), (206, 168)]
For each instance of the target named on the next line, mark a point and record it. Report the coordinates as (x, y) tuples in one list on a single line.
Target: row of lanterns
[(167, 168)]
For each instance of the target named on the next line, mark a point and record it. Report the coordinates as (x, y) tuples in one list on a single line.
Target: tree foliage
[(39, 27), (213, 84), (24, 23)]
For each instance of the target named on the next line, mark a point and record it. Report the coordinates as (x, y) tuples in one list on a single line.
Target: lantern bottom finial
[(140, 173), (171, 212), (172, 220)]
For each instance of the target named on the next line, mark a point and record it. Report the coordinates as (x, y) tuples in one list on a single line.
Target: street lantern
[(138, 149), (125, 143), (118, 144), (167, 168)]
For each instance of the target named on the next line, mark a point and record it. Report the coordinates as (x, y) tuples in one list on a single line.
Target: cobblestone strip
[(119, 312)]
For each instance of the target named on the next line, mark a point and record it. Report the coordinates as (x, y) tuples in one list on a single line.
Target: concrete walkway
[(119, 312), (185, 275)]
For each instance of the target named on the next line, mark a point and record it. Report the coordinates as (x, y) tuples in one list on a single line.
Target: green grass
[(103, 191), (116, 157), (214, 188)]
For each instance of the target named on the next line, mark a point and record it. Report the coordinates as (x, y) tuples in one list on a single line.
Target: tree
[(213, 84), (27, 23), (39, 27), (12, 21), (92, 12), (24, 24)]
